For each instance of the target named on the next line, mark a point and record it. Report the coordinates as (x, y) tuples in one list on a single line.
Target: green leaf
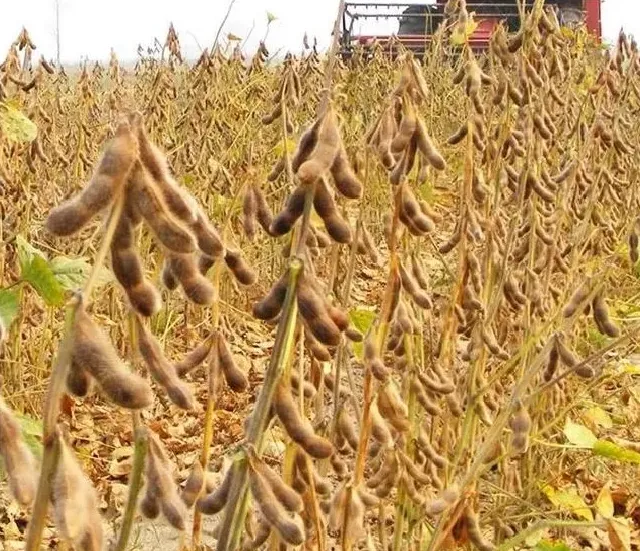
[(604, 502), (71, 273), (40, 276), (568, 500), (15, 125), (26, 252), (599, 416), (361, 319), (604, 448), (37, 272), (579, 435), (9, 306), (546, 545), (31, 432)]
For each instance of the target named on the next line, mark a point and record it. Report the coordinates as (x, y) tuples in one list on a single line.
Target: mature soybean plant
[(427, 268)]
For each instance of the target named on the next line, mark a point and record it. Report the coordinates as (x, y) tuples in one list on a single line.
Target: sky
[(90, 28)]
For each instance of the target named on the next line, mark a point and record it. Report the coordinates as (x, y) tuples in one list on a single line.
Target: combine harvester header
[(416, 23)]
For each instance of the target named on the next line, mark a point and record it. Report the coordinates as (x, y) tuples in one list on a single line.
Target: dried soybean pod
[(286, 495), (208, 239), (324, 153), (161, 484), (475, 533), (324, 204), (459, 135), (263, 211), (285, 219), (427, 147), (347, 428), (239, 267), (93, 352), (299, 428), (577, 299), (79, 382), (452, 242), (289, 528), (197, 287), (392, 407), (194, 358), (168, 279), (344, 177), (552, 364), (385, 135), (353, 334), (314, 312), (259, 538), (601, 317), (215, 501), (270, 305), (305, 145), (566, 355), (233, 375), (407, 128), (249, 212), (161, 370), (520, 422), (194, 484), (149, 202), (18, 461), (277, 169), (75, 503), (179, 202), (105, 184)]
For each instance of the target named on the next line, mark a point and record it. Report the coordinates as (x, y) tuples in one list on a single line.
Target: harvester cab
[(413, 24)]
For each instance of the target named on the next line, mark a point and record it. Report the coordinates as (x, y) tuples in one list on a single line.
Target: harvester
[(413, 24)]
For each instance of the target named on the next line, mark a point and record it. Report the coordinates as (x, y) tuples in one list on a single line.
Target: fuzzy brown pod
[(92, 351), (297, 427), (216, 500), (194, 284), (602, 319), (161, 370), (315, 314), (287, 217), (75, 503), (249, 213), (161, 491), (520, 424), (106, 183), (324, 152), (270, 305), (144, 194), (577, 299), (348, 505), (448, 497), (284, 493), (392, 407), (239, 267), (325, 206), (264, 213), (178, 201), (474, 530), (18, 461), (195, 358), (127, 267), (289, 527), (194, 484), (233, 375), (345, 179)]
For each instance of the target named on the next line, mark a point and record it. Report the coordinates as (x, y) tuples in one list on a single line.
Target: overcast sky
[(89, 28)]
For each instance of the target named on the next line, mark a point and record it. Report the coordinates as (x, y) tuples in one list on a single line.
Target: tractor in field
[(413, 25)]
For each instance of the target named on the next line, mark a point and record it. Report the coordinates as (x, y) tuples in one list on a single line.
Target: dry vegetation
[(365, 305)]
